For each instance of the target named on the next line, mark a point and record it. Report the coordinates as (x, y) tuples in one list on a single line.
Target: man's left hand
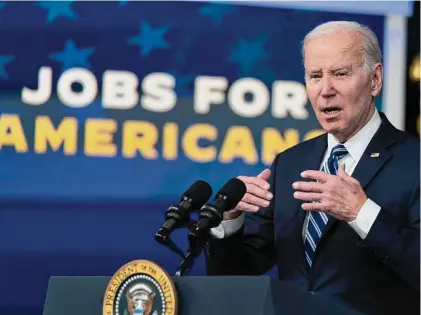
[(338, 195)]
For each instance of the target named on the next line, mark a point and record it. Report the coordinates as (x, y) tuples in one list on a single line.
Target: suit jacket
[(377, 275)]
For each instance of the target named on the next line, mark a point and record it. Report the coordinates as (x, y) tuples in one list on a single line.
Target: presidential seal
[(140, 287)]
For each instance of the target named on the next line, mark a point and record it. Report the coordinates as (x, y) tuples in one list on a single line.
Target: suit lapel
[(312, 161), (369, 165), (376, 155)]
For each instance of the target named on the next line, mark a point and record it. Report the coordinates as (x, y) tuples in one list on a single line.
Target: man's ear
[(377, 79)]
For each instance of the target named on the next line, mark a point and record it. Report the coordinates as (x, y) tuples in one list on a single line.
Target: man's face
[(340, 89)]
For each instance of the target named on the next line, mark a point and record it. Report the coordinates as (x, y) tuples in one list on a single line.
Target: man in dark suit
[(339, 215)]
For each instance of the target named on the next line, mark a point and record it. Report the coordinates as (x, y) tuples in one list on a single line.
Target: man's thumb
[(341, 171), (265, 174)]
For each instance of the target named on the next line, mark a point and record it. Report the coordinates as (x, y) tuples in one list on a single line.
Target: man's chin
[(333, 128)]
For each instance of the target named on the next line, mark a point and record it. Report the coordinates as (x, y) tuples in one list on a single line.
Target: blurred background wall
[(412, 100), (109, 111)]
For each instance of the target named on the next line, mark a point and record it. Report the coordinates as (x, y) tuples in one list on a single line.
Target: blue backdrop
[(151, 97)]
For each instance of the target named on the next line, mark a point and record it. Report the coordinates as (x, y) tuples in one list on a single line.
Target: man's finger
[(259, 192), (308, 186), (265, 174), (254, 180), (315, 206), (253, 200), (305, 196), (316, 175), (341, 171), (244, 206), (348, 179), (259, 182)]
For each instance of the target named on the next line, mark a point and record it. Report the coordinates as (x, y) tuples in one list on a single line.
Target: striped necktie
[(317, 221)]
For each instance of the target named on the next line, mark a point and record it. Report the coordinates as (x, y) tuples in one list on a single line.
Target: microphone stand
[(162, 237), (196, 245)]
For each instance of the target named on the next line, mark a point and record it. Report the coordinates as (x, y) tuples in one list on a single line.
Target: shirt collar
[(359, 142)]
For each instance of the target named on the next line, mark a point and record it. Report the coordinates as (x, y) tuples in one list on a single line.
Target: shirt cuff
[(228, 227), (365, 218)]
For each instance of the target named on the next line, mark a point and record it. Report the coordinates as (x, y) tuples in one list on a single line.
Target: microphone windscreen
[(199, 193), (233, 191)]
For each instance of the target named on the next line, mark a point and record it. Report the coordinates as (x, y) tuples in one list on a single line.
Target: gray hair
[(371, 49)]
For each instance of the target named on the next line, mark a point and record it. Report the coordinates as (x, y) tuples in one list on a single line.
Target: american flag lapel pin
[(375, 155)]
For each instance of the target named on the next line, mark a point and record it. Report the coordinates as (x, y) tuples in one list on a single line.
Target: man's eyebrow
[(344, 67), (333, 69), (313, 70)]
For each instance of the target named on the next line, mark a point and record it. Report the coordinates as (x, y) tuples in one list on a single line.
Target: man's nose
[(328, 89)]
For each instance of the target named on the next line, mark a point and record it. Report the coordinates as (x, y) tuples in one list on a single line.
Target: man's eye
[(340, 74), (315, 76)]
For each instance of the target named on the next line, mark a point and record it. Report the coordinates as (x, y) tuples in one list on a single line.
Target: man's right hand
[(257, 195)]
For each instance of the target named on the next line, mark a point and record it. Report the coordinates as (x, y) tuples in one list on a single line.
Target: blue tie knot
[(339, 151)]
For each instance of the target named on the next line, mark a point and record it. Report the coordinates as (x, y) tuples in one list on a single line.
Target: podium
[(254, 295)]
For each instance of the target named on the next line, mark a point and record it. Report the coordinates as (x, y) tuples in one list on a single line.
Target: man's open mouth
[(331, 110)]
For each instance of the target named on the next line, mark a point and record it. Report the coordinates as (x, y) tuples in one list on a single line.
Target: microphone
[(226, 199), (177, 216)]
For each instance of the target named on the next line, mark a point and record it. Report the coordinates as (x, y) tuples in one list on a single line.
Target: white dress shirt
[(356, 147)]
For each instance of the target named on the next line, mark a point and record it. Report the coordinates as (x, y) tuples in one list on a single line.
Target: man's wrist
[(357, 210), (231, 215), (365, 218)]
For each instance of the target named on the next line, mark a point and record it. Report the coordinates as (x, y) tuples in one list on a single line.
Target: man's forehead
[(332, 46), (340, 36), (327, 59), (332, 53)]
